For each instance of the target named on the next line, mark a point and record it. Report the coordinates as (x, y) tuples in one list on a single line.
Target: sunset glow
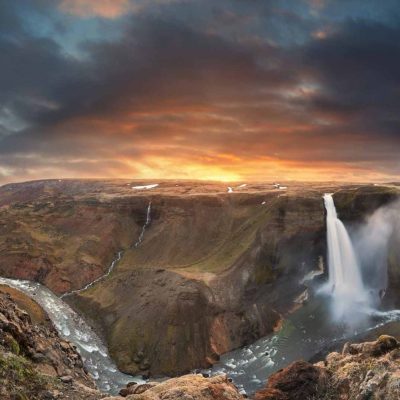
[(298, 90)]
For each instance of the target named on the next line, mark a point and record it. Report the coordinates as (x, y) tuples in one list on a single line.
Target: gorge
[(214, 271)]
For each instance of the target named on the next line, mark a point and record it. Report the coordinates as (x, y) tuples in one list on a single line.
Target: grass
[(19, 380)]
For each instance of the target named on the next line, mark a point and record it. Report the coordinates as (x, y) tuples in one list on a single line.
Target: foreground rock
[(34, 362), (365, 371), (188, 387)]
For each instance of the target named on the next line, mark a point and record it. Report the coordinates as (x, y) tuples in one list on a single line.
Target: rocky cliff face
[(208, 278), (34, 362), (63, 234)]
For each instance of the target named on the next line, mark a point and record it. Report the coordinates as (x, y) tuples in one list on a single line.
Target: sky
[(242, 90)]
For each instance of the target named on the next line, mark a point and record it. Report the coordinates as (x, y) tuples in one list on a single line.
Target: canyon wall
[(215, 270)]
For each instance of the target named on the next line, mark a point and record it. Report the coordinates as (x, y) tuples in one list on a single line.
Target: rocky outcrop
[(34, 362), (188, 387), (356, 203), (364, 371)]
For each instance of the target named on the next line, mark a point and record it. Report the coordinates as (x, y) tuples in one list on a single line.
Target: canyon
[(206, 271)]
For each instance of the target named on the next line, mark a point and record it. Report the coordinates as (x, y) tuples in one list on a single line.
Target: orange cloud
[(106, 8), (90, 8)]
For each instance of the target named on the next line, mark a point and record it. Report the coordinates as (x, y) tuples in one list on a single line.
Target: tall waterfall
[(146, 224), (345, 281)]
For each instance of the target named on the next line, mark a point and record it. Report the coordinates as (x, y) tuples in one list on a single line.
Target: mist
[(371, 241)]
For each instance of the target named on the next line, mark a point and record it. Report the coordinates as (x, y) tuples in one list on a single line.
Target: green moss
[(12, 344), (19, 378)]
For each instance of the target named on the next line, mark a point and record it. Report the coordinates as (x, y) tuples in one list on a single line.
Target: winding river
[(72, 327)]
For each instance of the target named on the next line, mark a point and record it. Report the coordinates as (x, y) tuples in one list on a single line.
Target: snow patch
[(145, 187)]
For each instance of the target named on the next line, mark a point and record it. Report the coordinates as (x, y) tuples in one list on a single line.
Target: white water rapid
[(72, 327), (345, 280)]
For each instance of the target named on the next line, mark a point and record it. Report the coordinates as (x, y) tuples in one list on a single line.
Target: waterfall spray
[(345, 280)]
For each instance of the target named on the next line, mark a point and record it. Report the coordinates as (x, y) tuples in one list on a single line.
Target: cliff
[(34, 362)]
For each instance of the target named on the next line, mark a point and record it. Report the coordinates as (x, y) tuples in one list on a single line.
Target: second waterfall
[(345, 284)]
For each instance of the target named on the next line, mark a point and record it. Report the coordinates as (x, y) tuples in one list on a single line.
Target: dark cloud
[(204, 83)]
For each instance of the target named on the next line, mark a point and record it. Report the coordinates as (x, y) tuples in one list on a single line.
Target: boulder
[(188, 387), (299, 380)]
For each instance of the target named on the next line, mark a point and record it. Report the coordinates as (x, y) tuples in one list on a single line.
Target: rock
[(33, 355), (270, 394), (299, 380), (124, 392), (48, 395), (65, 345), (382, 345), (190, 387), (66, 379), (137, 389), (38, 357), (129, 389), (364, 371)]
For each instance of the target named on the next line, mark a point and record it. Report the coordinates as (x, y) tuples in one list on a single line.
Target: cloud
[(107, 8), (100, 8), (234, 89)]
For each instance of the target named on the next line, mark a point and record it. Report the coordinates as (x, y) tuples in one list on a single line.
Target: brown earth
[(208, 277)]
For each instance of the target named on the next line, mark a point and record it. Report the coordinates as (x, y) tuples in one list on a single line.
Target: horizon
[(226, 91), (205, 181)]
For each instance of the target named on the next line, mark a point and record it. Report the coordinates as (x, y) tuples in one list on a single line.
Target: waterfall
[(116, 259), (146, 224), (345, 281), (100, 278)]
